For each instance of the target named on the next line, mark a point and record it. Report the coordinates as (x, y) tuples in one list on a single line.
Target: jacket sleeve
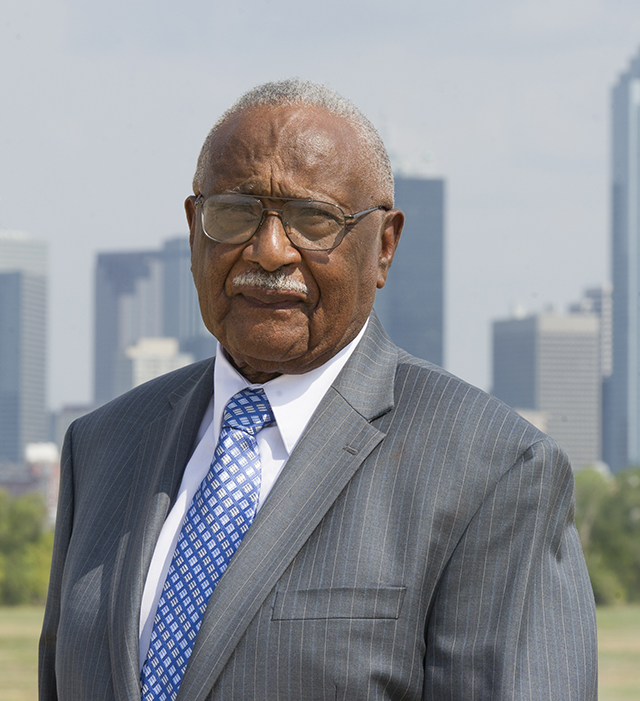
[(514, 616), (64, 524)]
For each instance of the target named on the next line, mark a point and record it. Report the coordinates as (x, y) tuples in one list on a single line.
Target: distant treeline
[(25, 549), (608, 521)]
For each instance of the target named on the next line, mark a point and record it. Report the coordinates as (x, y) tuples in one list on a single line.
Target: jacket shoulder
[(477, 426)]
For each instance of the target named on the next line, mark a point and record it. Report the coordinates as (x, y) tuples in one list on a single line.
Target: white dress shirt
[(293, 399)]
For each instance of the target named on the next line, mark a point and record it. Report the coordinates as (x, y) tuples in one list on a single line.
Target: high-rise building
[(181, 316), (127, 307), (623, 419), (23, 333), (149, 358), (144, 294), (411, 304), (598, 300), (550, 363)]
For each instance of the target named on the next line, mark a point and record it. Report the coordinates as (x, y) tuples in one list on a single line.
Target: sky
[(104, 107)]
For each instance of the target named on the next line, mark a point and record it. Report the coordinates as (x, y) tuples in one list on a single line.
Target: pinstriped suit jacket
[(419, 544)]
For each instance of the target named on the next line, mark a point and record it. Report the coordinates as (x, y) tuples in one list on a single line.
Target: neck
[(255, 377)]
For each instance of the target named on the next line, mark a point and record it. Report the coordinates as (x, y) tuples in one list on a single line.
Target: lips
[(270, 299)]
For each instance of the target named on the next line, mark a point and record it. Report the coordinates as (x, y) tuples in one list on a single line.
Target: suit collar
[(367, 380)]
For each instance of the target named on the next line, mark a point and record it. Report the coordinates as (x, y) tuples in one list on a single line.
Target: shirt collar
[(293, 398)]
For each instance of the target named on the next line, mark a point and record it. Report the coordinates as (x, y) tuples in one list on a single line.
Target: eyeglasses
[(310, 225)]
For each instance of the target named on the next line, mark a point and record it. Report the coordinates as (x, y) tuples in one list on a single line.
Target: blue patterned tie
[(220, 514)]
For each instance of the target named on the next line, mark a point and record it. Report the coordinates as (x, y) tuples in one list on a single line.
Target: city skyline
[(508, 104)]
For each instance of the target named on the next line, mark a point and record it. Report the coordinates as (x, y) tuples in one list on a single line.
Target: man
[(392, 532)]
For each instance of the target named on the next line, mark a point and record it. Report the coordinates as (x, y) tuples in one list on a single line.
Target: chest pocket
[(345, 602)]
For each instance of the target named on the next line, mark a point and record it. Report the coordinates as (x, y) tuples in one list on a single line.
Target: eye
[(232, 216), (227, 217), (314, 221)]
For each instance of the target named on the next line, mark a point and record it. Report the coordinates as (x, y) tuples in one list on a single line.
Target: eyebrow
[(244, 189), (251, 191)]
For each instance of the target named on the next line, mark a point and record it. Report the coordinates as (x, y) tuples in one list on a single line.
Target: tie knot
[(248, 410)]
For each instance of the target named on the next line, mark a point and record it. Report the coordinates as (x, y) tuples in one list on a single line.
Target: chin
[(273, 361)]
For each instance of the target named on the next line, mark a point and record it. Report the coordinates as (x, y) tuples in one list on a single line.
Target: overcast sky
[(104, 107)]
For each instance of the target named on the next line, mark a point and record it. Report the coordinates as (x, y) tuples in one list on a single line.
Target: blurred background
[(513, 130)]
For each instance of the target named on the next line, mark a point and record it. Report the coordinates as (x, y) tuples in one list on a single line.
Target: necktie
[(220, 514)]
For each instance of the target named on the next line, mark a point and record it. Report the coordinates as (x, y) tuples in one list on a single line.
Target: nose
[(270, 247)]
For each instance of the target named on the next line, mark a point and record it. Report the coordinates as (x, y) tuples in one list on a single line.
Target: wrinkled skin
[(302, 152)]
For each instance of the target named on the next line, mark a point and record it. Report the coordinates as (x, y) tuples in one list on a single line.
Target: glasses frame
[(349, 219)]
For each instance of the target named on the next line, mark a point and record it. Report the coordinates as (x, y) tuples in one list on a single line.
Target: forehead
[(286, 148)]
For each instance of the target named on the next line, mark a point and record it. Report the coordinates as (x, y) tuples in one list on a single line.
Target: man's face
[(300, 152)]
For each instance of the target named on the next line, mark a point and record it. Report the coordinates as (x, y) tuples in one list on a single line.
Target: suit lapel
[(164, 451), (333, 447)]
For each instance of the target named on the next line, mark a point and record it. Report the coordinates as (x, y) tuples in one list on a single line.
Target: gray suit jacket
[(419, 544)]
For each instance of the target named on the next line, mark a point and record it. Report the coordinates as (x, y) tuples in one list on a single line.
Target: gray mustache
[(279, 282)]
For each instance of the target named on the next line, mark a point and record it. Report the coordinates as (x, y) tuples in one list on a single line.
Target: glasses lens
[(230, 218), (313, 225)]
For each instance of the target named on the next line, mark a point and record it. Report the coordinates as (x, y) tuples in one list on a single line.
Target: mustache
[(278, 282)]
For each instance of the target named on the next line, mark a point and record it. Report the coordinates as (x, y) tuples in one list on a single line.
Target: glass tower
[(622, 423), (411, 304)]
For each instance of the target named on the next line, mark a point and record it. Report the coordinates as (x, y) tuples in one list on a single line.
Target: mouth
[(270, 290)]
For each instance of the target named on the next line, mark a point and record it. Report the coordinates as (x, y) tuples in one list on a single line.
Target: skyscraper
[(127, 307), (623, 421), (598, 300), (181, 317), (550, 363), (23, 333), (144, 294), (411, 304)]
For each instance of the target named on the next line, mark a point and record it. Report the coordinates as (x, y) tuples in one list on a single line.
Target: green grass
[(19, 633), (619, 653), (618, 632)]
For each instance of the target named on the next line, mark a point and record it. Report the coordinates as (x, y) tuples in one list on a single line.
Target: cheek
[(208, 270), (348, 288), (355, 277)]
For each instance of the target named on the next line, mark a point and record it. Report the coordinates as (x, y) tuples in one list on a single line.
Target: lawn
[(619, 653), (619, 635), (19, 632)]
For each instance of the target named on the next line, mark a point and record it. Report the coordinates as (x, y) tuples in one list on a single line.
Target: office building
[(144, 294), (411, 304), (149, 358), (623, 419), (550, 363), (23, 336)]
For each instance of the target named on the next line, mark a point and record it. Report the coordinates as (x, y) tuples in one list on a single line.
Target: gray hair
[(294, 91)]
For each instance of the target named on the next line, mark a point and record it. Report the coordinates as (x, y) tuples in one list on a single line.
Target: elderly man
[(315, 514)]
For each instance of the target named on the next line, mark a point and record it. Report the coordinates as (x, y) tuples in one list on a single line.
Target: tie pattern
[(220, 514)]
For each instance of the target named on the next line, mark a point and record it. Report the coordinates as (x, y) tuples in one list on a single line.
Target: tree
[(25, 549), (608, 521)]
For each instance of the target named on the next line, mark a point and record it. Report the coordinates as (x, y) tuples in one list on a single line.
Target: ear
[(190, 209), (390, 235)]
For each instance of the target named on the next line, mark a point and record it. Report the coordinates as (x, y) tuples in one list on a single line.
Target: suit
[(419, 544)]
